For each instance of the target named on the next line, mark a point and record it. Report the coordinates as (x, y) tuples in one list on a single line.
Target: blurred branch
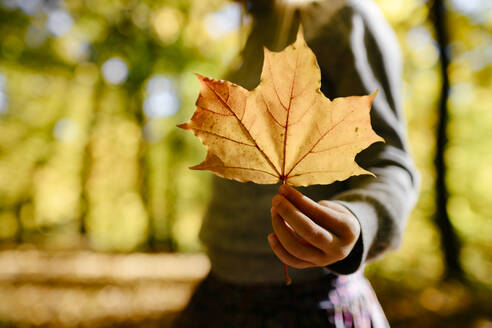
[(20, 228), (96, 103), (450, 242)]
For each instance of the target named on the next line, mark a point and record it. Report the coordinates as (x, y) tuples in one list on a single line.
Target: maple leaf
[(285, 130)]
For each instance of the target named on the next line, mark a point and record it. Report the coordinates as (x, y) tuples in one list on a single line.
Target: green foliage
[(467, 157), (78, 149)]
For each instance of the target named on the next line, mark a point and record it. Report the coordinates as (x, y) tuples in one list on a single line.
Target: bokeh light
[(3, 93), (30, 7), (59, 22), (3, 102), (65, 130), (162, 99), (115, 70), (167, 23), (224, 21), (472, 7)]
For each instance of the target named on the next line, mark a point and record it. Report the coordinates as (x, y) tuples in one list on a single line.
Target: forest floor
[(88, 289)]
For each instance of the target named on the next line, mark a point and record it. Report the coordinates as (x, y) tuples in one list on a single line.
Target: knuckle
[(317, 237), (352, 227), (341, 253), (339, 207), (345, 252), (297, 212), (337, 257), (314, 235), (351, 235), (347, 232)]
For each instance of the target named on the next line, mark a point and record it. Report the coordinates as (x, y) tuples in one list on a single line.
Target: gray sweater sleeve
[(357, 54), (366, 61)]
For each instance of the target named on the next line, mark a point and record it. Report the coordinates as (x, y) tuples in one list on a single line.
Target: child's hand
[(309, 234)]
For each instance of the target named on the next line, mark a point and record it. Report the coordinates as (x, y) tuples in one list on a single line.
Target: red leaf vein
[(317, 142), (224, 137), (245, 130)]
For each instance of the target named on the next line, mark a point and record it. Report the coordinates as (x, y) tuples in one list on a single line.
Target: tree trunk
[(450, 241)]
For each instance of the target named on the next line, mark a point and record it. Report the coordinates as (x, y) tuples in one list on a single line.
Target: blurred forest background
[(95, 191)]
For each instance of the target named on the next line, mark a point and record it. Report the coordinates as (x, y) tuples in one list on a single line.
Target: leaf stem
[(288, 281)]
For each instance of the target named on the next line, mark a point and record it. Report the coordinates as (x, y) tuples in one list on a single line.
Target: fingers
[(333, 205), (294, 245), (329, 215), (305, 204), (343, 223), (284, 256), (309, 233), (303, 225)]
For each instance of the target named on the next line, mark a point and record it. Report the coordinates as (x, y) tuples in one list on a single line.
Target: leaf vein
[(317, 142), (224, 137), (245, 129), (288, 112), (312, 172), (244, 168), (273, 82), (214, 112), (333, 147), (269, 112), (304, 113)]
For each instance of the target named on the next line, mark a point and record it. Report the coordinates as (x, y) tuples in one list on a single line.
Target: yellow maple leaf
[(285, 130)]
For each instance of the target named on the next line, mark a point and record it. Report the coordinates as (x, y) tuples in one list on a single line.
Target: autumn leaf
[(285, 130)]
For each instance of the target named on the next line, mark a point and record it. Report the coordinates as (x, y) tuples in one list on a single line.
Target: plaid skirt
[(332, 301)]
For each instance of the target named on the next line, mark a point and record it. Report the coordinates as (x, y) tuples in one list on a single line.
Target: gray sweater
[(357, 54)]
